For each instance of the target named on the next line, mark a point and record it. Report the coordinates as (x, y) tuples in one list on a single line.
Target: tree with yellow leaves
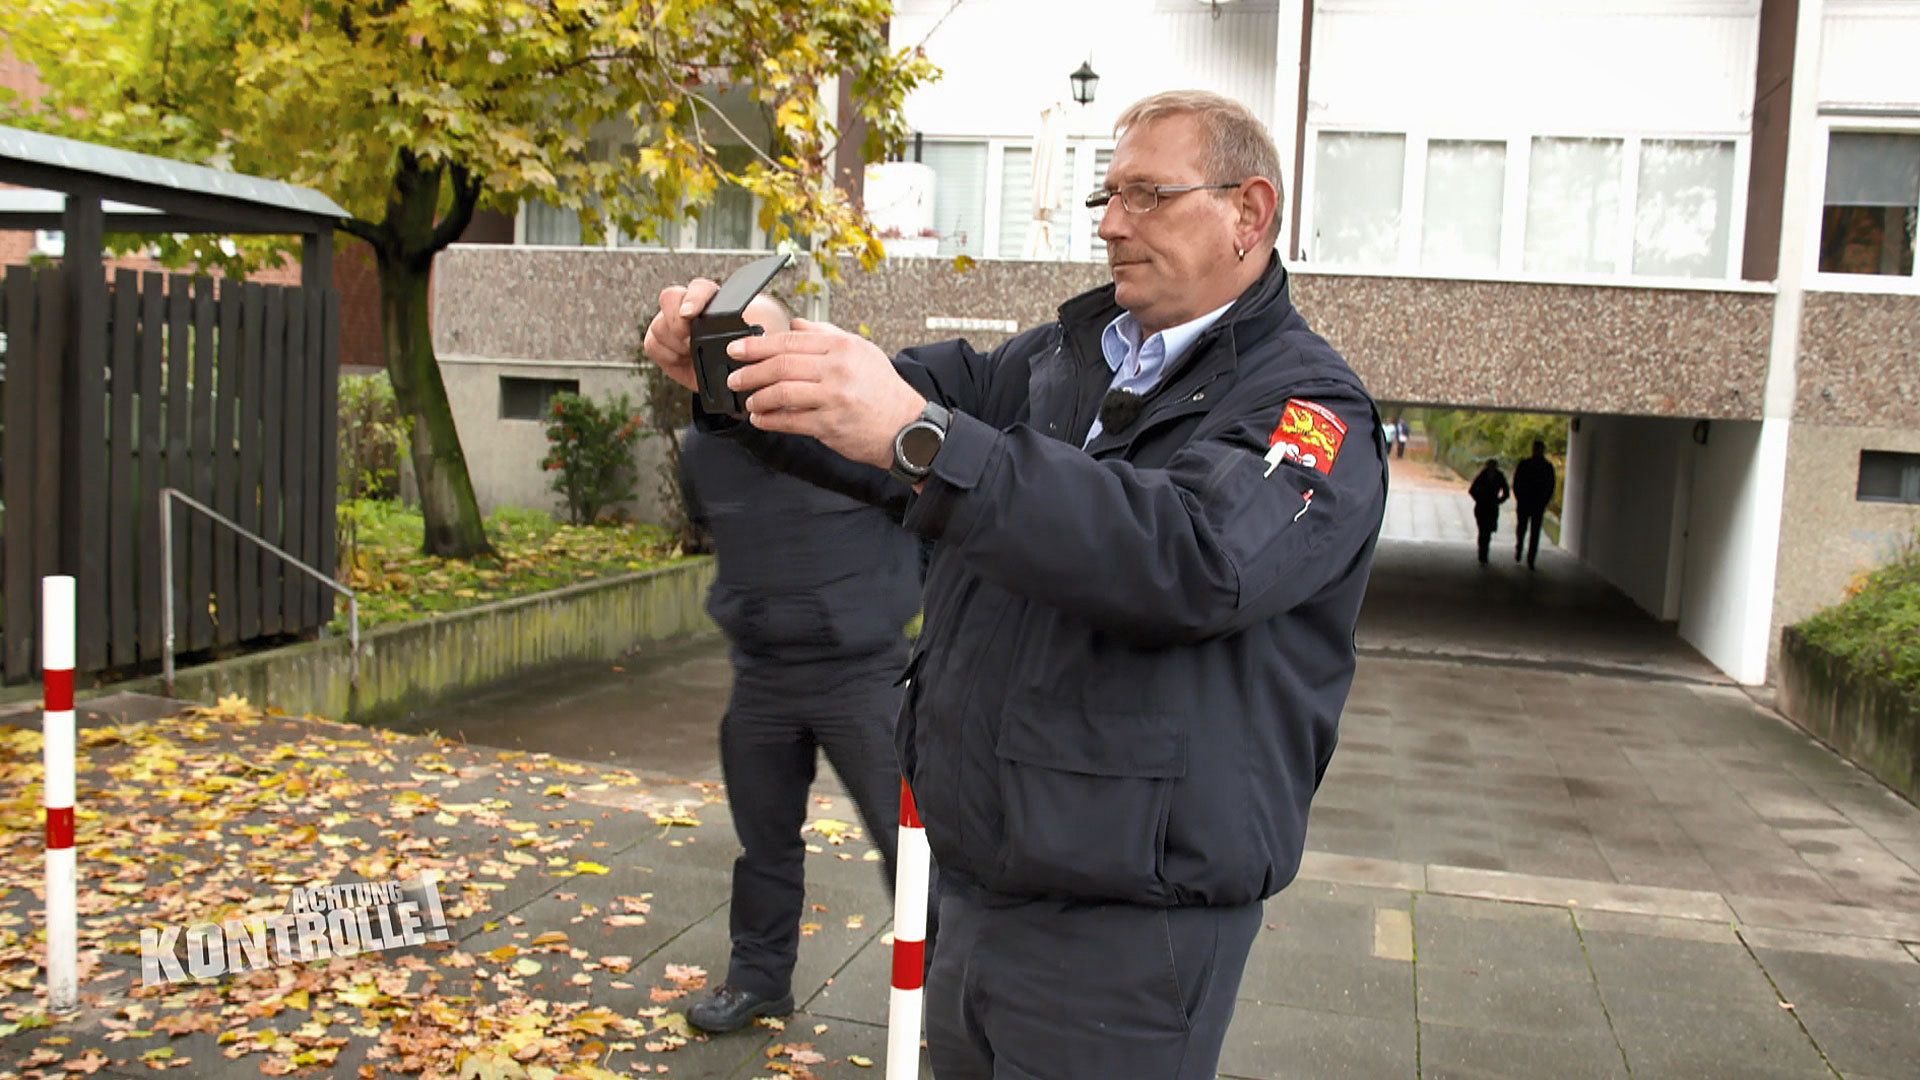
[(412, 114)]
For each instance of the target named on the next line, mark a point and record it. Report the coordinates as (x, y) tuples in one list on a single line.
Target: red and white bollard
[(56, 672), (913, 869)]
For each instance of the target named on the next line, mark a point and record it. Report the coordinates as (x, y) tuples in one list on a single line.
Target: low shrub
[(373, 438), (590, 452), (1876, 629)]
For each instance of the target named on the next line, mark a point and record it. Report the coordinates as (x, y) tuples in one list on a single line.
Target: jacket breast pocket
[(1086, 797)]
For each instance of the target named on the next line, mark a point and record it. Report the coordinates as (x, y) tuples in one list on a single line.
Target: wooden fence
[(114, 390)]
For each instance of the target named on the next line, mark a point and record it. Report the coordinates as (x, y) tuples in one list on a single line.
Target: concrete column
[(1575, 490), (1801, 192), (1739, 486)]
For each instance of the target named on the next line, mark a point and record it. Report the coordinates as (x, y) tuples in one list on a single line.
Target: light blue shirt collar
[(1137, 365)]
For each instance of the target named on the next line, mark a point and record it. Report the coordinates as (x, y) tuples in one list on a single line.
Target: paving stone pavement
[(1515, 870), (1428, 502), (1552, 843), (1639, 782), (1409, 964)]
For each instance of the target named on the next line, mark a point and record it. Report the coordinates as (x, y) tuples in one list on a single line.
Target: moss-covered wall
[(409, 666), (1869, 721)]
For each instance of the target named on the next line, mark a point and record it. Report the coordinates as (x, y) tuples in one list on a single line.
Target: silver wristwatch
[(915, 446)]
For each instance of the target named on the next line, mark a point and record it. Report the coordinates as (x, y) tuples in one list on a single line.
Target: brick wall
[(357, 280), (16, 248), (19, 77)]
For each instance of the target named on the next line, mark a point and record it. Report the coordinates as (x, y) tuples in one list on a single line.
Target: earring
[(1242, 252)]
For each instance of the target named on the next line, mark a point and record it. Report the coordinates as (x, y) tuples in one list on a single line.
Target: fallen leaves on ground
[(221, 812), (832, 830), (679, 815), (687, 976), (532, 553)]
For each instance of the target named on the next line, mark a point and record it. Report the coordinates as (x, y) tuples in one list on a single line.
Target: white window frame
[(1080, 221), (1084, 221), (1736, 209), (1822, 281), (989, 196), (684, 238), (1309, 183), (1513, 212), (995, 196)]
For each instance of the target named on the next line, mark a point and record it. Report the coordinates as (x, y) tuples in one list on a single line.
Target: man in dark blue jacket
[(813, 591), (1154, 521), (1533, 482)]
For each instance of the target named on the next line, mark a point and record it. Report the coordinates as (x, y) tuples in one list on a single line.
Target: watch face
[(919, 443)]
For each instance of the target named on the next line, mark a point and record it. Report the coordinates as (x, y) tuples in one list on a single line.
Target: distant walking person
[(1489, 490), (1402, 434), (1532, 491)]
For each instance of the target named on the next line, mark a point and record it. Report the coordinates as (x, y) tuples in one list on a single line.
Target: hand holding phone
[(722, 322)]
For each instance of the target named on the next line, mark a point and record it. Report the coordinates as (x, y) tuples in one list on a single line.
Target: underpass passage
[(1430, 597)]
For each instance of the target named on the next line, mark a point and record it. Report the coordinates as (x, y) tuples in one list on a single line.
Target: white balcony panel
[(1005, 60), (1478, 66), (1870, 54)]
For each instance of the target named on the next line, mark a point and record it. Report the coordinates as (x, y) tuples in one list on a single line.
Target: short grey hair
[(779, 300), (1238, 144)]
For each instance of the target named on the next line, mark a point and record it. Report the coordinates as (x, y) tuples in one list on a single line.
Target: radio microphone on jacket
[(1119, 409)]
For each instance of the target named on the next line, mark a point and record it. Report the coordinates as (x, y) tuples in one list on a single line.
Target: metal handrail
[(167, 495)]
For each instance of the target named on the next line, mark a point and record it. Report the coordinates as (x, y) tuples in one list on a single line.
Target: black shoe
[(730, 1009)]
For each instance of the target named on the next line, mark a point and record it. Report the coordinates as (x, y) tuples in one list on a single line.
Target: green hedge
[(1876, 630)]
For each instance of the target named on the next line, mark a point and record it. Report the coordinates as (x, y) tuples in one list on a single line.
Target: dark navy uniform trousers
[(768, 755), (812, 590), (1062, 989)]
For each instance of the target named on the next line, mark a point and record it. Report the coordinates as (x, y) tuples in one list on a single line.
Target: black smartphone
[(721, 323)]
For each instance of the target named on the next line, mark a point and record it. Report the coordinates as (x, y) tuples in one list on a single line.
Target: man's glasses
[(1140, 198)]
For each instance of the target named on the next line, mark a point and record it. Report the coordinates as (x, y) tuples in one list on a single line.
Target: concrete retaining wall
[(409, 666), (1870, 722)]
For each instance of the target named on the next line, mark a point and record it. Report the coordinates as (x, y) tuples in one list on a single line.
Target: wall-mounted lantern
[(1085, 82)]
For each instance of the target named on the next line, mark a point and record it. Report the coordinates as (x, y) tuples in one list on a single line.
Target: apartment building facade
[(1688, 225)]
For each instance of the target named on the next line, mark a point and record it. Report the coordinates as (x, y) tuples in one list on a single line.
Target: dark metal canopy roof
[(160, 195)]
